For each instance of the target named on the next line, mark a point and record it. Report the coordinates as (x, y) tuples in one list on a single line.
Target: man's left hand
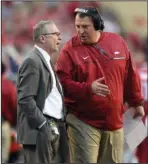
[(138, 111)]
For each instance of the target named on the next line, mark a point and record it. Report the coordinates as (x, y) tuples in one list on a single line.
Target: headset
[(94, 14)]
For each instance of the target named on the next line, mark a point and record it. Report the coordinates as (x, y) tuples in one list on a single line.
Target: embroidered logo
[(85, 57), (116, 52)]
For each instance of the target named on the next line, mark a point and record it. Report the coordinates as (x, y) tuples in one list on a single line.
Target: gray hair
[(40, 28)]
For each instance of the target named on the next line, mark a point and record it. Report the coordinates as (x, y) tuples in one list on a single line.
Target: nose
[(81, 30), (59, 38)]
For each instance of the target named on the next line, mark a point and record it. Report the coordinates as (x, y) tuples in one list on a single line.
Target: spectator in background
[(9, 102), (6, 140), (137, 47), (99, 70), (142, 149), (8, 113), (139, 54)]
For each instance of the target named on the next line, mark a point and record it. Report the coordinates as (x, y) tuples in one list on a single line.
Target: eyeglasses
[(53, 33)]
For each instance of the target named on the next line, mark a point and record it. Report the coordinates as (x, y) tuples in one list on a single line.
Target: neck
[(98, 34), (43, 47)]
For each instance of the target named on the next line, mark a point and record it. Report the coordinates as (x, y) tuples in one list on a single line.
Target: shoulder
[(115, 39), (8, 83), (72, 43), (31, 60), (113, 35), (118, 38)]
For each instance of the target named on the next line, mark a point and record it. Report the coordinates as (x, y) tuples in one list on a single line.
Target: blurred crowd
[(18, 18)]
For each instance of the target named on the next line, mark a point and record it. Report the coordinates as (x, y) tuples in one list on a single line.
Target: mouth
[(58, 43), (83, 37)]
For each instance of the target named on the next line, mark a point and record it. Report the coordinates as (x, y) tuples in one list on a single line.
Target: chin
[(57, 50), (85, 42)]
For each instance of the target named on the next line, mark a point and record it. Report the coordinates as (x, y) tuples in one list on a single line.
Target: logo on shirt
[(85, 57), (119, 58), (116, 52)]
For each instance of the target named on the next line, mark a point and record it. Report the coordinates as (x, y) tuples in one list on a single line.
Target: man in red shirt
[(8, 113), (98, 75), (9, 102)]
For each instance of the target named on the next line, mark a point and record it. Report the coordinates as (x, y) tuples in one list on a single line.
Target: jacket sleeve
[(66, 71), (132, 85), (27, 88)]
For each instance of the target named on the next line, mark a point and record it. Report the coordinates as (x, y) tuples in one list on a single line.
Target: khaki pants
[(6, 141), (90, 145)]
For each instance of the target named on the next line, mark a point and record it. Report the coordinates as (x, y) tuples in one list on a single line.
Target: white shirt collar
[(44, 53)]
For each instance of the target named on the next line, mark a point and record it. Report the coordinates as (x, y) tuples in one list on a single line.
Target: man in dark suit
[(40, 98)]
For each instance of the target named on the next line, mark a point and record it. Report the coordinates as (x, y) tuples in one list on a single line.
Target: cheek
[(78, 32), (53, 43), (91, 34)]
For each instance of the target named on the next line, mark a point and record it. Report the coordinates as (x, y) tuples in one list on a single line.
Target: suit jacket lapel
[(45, 63), (42, 58)]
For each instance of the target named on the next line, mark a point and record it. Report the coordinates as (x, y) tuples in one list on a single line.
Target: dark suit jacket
[(34, 83)]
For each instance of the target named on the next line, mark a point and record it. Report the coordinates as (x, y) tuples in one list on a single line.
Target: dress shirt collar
[(44, 53)]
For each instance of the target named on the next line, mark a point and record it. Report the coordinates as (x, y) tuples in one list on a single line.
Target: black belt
[(54, 119)]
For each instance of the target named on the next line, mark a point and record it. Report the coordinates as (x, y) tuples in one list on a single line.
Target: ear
[(42, 39)]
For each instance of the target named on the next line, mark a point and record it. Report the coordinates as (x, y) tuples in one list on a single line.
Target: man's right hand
[(100, 89)]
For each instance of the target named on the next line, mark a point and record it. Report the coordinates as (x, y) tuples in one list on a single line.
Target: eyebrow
[(50, 33)]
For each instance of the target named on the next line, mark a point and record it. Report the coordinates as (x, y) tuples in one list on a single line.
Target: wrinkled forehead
[(52, 28), (83, 20)]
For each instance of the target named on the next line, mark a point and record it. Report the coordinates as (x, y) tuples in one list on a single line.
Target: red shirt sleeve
[(132, 88), (66, 71)]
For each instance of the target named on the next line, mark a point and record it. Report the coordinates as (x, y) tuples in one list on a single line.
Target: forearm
[(76, 90), (133, 85), (133, 89)]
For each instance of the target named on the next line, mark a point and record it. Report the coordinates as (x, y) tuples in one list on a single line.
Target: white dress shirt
[(53, 103)]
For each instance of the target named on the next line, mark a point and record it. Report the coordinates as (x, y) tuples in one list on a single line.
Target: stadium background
[(129, 19)]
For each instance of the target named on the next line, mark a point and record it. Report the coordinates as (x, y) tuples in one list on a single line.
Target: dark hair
[(3, 68), (94, 14)]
